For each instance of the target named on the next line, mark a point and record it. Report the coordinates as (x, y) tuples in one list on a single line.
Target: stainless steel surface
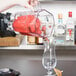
[(36, 47), (30, 64), (25, 47)]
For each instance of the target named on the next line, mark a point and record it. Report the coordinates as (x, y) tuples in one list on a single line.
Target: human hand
[(27, 3)]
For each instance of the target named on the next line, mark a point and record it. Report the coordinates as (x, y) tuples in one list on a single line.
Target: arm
[(5, 4)]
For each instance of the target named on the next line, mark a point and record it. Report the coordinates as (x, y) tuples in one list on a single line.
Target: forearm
[(5, 4)]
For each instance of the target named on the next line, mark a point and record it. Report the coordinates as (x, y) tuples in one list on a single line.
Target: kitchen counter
[(32, 65), (28, 62)]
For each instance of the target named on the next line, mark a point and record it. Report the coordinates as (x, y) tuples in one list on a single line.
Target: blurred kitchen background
[(16, 57)]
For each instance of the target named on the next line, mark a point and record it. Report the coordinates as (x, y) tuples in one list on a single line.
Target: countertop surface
[(34, 67), (29, 63)]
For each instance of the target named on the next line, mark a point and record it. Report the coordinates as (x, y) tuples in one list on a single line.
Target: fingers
[(33, 2)]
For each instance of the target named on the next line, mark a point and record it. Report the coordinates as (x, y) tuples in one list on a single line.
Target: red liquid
[(29, 25)]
